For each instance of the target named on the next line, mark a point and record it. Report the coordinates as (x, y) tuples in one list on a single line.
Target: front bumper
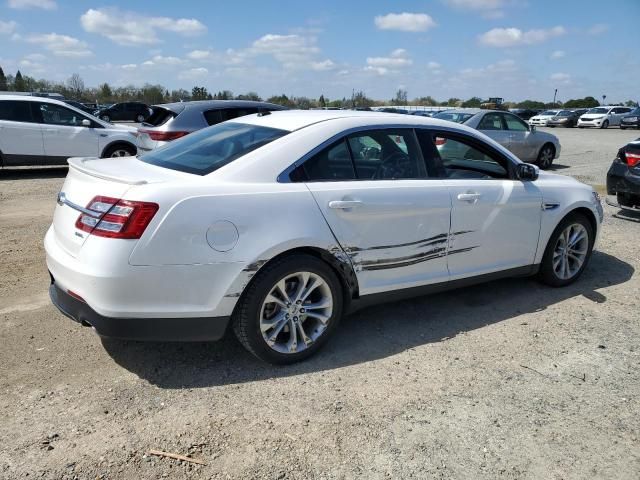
[(147, 329)]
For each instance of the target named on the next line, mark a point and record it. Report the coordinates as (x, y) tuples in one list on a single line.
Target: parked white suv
[(42, 131), (541, 119), (603, 117)]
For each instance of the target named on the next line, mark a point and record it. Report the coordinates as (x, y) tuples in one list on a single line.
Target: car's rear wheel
[(568, 251), (121, 150), (545, 157), (289, 310), (140, 118), (605, 124)]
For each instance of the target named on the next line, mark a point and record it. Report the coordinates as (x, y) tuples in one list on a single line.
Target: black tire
[(140, 118), (120, 147), (605, 124), (622, 128), (579, 126), (545, 156), (246, 317), (106, 118), (546, 274)]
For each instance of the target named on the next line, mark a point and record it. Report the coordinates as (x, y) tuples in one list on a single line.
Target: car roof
[(292, 120), (472, 111), (30, 98)]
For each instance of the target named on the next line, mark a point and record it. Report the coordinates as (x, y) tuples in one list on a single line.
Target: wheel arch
[(334, 257), (117, 143)]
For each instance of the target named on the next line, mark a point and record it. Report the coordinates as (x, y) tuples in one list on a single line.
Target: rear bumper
[(191, 329), (622, 179)]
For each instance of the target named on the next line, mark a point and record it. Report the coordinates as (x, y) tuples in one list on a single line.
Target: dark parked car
[(79, 106), (174, 120), (632, 120), (131, 111), (623, 178), (525, 113), (564, 118)]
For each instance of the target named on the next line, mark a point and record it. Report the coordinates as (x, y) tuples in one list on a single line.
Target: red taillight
[(76, 296), (163, 136), (116, 218), (633, 159), (440, 141)]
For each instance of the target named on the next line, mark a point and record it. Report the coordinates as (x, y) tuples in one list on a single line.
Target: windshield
[(598, 110), (635, 111), (454, 117), (565, 113), (209, 149), (549, 113)]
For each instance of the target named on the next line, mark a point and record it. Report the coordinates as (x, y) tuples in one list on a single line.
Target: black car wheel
[(106, 118), (140, 118), (605, 124), (545, 157)]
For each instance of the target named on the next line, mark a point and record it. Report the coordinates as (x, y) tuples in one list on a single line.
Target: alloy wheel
[(570, 251), (546, 157), (120, 152), (296, 312)]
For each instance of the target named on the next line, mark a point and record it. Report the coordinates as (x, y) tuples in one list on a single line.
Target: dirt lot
[(507, 380)]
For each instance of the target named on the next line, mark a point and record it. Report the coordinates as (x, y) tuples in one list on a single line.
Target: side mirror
[(86, 123), (527, 172)]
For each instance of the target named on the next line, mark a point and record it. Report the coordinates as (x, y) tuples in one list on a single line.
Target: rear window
[(454, 117), (207, 150), (549, 113), (15, 111), (159, 116)]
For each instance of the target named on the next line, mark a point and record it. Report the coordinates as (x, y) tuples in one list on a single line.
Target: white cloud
[(405, 22), (125, 28), (399, 58), (199, 54), (193, 73), (323, 65), (161, 60), (557, 54), (35, 57), (129, 66), (377, 70), (7, 28), (286, 49), (512, 37), (598, 29), (61, 45), (561, 78), (433, 65), (22, 4)]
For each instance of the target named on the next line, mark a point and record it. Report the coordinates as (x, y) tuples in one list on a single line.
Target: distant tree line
[(75, 89)]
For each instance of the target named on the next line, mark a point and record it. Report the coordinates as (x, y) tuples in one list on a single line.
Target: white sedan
[(278, 224)]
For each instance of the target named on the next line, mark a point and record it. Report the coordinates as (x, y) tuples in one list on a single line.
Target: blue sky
[(516, 49)]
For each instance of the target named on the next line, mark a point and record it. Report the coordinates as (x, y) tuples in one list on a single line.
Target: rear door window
[(219, 115), (15, 111), (491, 121), (515, 124)]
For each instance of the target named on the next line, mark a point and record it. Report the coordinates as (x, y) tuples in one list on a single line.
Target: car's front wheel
[(545, 157), (140, 118), (120, 150), (568, 251), (605, 124), (289, 310)]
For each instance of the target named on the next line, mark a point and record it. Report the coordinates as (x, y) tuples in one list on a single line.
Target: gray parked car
[(529, 144), (174, 120)]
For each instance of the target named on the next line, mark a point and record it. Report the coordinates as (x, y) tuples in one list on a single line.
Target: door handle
[(344, 204), (470, 197)]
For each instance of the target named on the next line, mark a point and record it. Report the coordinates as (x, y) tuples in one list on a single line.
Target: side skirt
[(395, 295)]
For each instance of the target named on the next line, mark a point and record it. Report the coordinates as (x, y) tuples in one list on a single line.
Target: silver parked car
[(174, 120), (529, 144)]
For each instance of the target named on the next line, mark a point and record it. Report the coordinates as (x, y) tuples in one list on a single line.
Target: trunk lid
[(90, 177)]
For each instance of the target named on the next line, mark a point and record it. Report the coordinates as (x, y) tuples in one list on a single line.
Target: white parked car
[(44, 131), (278, 224), (541, 119), (603, 117)]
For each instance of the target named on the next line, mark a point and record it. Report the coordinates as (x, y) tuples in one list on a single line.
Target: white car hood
[(542, 117), (591, 116)]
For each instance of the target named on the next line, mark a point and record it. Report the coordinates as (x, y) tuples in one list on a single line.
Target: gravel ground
[(506, 380)]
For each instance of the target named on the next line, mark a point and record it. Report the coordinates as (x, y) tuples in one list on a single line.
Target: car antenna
[(262, 114)]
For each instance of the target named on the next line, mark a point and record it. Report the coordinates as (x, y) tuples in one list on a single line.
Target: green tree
[(253, 96), (152, 94), (360, 100), (628, 103), (199, 93), (530, 104), (76, 86), (3, 81), (282, 100), (322, 102), (104, 92), (223, 95), (400, 98), (473, 102), (586, 102), (427, 101), (18, 83)]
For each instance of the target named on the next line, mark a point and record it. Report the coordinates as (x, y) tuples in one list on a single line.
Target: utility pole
[(604, 97), (554, 97)]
